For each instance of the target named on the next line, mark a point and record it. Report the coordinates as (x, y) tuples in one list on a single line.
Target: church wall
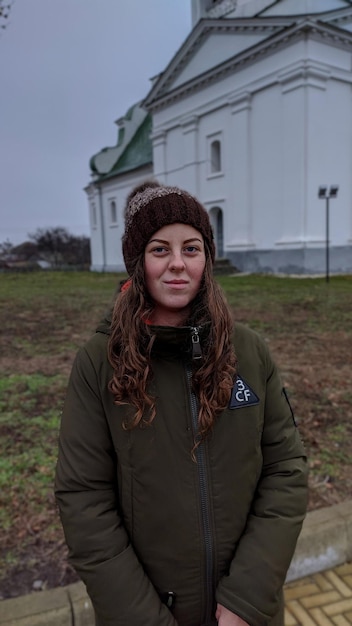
[(239, 163), (255, 76), (106, 236), (330, 160), (285, 127), (174, 155), (113, 229), (293, 168), (269, 165), (330, 133), (96, 245), (335, 58), (213, 127), (249, 188)]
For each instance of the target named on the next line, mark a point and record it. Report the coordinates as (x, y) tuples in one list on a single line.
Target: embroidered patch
[(242, 395)]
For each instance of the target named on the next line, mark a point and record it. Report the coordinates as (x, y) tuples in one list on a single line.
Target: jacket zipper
[(196, 349), (205, 504)]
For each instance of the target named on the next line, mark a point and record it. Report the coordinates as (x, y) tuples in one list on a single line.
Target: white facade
[(106, 230), (252, 115)]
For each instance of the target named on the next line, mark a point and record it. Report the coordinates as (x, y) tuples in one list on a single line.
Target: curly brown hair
[(131, 341)]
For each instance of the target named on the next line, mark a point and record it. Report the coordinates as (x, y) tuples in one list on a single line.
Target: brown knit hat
[(150, 206)]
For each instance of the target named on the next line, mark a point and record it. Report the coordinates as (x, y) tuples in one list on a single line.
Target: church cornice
[(200, 33), (339, 16), (327, 12), (159, 97)]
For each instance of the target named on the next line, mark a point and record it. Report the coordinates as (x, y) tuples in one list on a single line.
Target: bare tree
[(59, 247), (5, 8), (51, 243), (77, 251), (6, 249), (26, 251)]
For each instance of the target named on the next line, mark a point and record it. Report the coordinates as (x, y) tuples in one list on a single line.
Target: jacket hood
[(104, 325)]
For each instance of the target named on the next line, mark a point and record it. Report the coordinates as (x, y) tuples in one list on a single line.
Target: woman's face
[(174, 261)]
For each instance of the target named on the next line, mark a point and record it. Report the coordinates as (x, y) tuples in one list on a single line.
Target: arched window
[(215, 156), (113, 212)]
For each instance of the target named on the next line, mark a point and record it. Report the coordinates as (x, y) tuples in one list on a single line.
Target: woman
[(181, 478)]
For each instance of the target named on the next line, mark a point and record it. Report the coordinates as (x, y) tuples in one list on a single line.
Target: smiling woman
[(181, 477), (174, 263)]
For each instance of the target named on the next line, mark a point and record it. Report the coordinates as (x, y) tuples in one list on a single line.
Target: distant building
[(252, 114)]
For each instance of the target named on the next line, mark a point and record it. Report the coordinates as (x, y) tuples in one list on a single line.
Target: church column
[(190, 173), (239, 204), (97, 226), (327, 159), (293, 158), (296, 150), (158, 138)]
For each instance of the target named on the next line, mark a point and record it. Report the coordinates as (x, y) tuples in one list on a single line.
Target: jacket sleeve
[(254, 582), (85, 489)]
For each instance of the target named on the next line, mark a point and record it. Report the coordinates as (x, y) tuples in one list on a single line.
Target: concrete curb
[(64, 606), (325, 542)]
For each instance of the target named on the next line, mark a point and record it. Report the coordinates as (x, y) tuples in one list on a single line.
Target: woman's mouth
[(176, 284)]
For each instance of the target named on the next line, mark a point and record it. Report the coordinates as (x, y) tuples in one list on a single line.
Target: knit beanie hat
[(150, 206)]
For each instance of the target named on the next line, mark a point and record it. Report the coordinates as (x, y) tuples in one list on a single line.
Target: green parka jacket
[(158, 538)]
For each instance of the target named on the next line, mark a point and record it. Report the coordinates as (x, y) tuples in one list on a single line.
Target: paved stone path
[(323, 599)]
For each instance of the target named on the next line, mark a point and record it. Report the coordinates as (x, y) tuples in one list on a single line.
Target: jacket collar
[(173, 341), (179, 341)]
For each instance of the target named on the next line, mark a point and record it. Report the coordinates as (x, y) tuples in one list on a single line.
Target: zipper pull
[(170, 600), (196, 349)]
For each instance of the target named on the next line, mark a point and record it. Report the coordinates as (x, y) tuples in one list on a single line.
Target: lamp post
[(325, 194)]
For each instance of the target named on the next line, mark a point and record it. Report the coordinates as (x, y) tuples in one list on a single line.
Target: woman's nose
[(176, 261)]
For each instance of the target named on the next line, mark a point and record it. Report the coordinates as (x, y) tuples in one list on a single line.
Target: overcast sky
[(68, 70)]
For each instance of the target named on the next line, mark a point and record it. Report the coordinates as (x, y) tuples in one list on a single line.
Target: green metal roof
[(133, 148), (138, 152)]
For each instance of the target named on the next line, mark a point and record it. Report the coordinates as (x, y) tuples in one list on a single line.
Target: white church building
[(252, 114)]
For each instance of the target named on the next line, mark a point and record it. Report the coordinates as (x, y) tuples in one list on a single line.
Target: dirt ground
[(317, 373), (321, 395)]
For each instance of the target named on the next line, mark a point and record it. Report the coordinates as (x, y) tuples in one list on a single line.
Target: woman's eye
[(159, 249), (191, 249)]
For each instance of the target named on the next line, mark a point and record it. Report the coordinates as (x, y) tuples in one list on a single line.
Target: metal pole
[(327, 239)]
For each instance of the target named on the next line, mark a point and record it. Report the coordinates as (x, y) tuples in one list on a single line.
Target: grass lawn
[(46, 316)]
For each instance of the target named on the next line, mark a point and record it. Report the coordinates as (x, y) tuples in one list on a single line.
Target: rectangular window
[(215, 155), (113, 213)]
